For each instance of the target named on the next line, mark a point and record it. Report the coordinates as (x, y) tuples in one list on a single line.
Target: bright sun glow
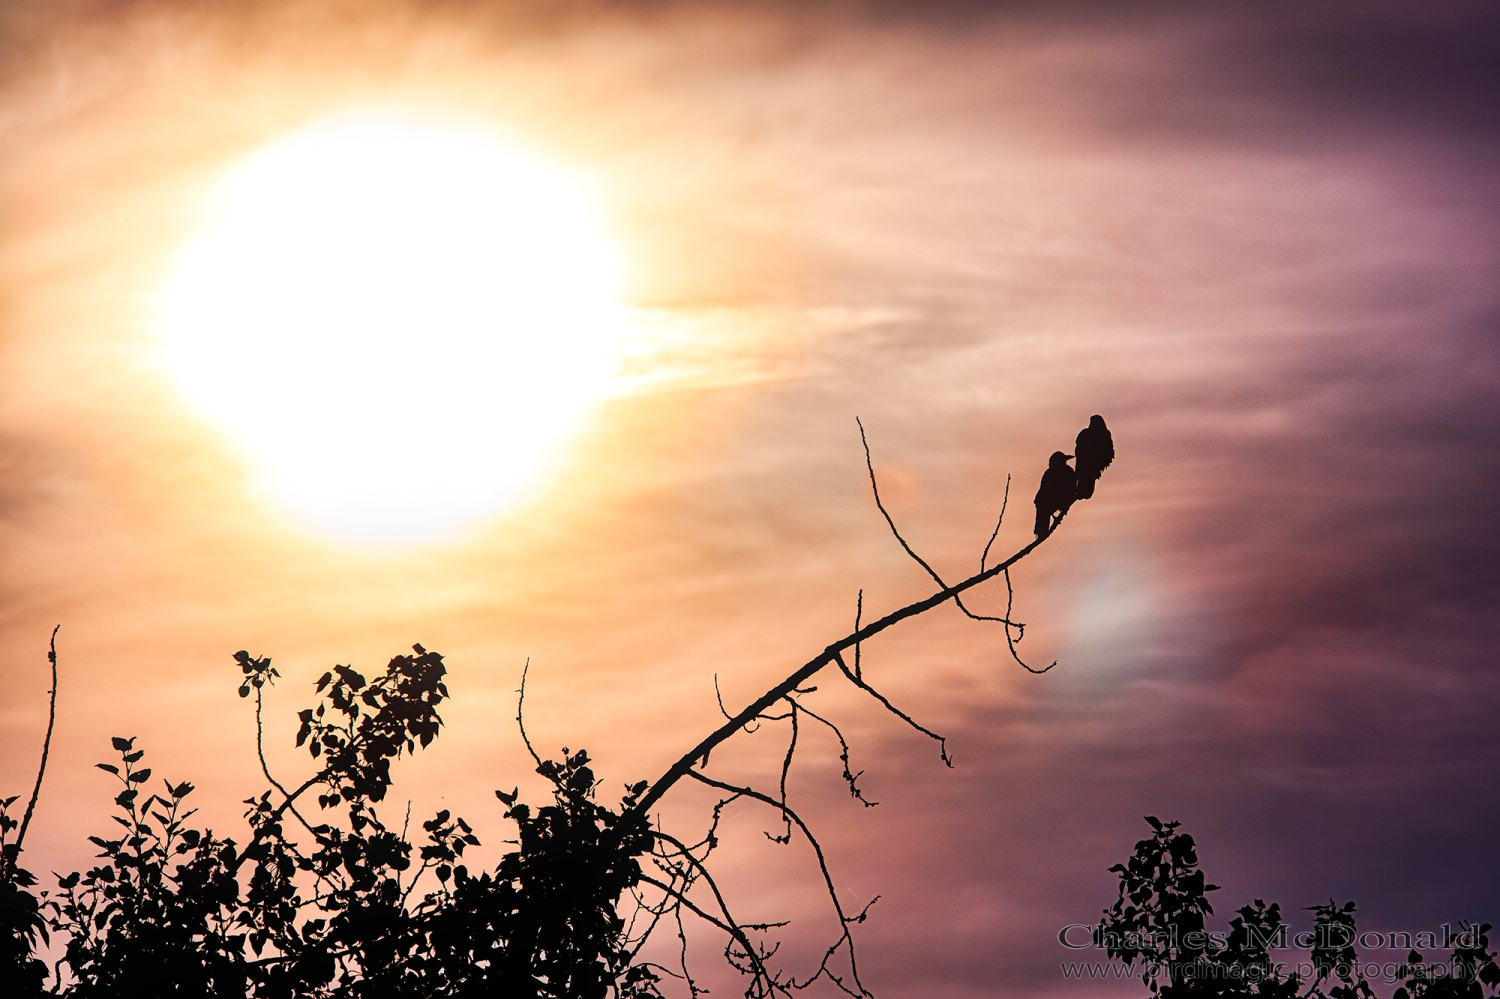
[(399, 320)]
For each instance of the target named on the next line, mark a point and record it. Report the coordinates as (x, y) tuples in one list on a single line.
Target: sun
[(398, 320)]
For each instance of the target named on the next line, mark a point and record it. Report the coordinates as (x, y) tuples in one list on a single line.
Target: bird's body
[(1058, 490), (1094, 449)]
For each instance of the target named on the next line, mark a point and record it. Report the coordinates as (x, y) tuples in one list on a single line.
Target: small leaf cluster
[(371, 723), (1160, 914), (258, 672)]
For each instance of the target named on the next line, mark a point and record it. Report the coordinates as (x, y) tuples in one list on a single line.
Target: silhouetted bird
[(1058, 490), (1095, 449)]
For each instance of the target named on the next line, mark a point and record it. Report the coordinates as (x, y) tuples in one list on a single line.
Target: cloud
[(1257, 239)]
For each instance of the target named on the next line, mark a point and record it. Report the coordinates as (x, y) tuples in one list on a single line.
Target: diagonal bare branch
[(680, 769)]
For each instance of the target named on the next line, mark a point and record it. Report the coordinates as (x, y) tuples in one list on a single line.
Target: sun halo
[(399, 321)]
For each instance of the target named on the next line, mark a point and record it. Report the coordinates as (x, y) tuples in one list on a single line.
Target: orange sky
[(969, 229)]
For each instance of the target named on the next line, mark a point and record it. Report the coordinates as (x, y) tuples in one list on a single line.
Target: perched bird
[(1095, 449), (1058, 490)]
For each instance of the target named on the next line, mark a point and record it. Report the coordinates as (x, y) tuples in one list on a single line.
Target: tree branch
[(890, 521), (734, 928), (680, 769), (1004, 502), (862, 685), (41, 771), (844, 921), (1010, 643)]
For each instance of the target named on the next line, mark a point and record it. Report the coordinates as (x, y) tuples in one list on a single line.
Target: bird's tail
[(1086, 483), (1043, 523)]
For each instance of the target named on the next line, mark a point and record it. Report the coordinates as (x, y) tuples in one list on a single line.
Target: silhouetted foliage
[(179, 907), (338, 904), (20, 915), (1160, 920)]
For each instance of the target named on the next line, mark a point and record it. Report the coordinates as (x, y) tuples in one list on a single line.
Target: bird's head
[(1058, 460), (1096, 421)]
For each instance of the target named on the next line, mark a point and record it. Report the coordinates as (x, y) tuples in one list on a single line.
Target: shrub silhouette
[(166, 905), (1159, 919)]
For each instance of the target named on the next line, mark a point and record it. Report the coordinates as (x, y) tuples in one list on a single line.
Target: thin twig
[(689, 878), (844, 921), (859, 610), (862, 685), (852, 779), (678, 896), (998, 521), (890, 521), (724, 711), (786, 767), (734, 926), (875, 488), (682, 955), (36, 791), (1010, 596), (520, 704), (656, 915), (719, 696), (260, 751)]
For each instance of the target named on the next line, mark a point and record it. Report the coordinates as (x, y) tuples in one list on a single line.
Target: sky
[(1260, 239)]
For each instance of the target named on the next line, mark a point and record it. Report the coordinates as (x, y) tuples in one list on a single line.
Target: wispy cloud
[(1260, 239)]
